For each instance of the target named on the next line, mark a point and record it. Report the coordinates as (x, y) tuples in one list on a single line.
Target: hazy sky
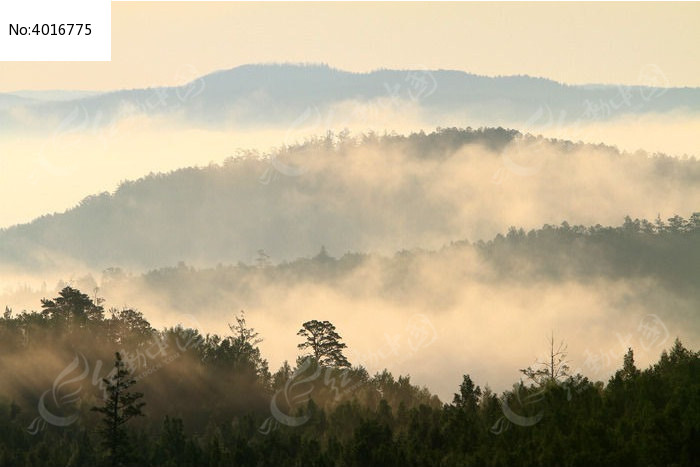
[(157, 43)]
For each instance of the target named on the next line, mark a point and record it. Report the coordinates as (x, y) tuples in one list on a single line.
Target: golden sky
[(160, 43)]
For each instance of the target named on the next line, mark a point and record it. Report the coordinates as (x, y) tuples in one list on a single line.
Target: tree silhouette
[(629, 370), (72, 308), (119, 407), (324, 343), (245, 346), (468, 396), (555, 369)]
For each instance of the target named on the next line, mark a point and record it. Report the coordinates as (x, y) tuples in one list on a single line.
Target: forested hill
[(639, 266), (667, 252), (364, 194), (663, 253)]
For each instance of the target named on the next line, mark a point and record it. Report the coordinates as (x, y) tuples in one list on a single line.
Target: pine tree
[(119, 407), (324, 343), (629, 371), (468, 396)]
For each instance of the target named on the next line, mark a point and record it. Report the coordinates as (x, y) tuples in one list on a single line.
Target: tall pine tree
[(119, 407)]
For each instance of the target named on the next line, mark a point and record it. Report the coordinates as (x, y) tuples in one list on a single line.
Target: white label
[(55, 30)]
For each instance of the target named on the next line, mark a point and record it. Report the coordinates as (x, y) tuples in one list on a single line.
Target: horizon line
[(291, 64)]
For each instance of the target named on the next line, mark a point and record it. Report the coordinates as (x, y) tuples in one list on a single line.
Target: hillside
[(367, 194)]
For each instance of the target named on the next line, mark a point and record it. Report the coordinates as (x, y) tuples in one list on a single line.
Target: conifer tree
[(119, 407), (324, 343)]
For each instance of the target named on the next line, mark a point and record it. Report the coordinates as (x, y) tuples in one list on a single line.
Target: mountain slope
[(367, 194)]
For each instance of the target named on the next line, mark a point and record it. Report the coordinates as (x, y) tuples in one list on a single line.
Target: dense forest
[(192, 399)]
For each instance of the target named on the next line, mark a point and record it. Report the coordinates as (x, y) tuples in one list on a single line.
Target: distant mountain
[(254, 95), (366, 194)]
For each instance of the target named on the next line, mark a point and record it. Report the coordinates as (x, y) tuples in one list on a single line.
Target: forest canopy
[(211, 400)]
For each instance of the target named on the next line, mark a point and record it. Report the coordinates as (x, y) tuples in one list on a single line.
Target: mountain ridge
[(276, 94)]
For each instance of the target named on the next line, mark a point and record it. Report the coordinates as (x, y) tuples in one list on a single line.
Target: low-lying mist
[(435, 309), (365, 194), (486, 309), (83, 154)]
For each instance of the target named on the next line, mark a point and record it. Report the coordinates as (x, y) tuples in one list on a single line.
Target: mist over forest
[(371, 193), (595, 286), (59, 146), (360, 288), (446, 226)]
